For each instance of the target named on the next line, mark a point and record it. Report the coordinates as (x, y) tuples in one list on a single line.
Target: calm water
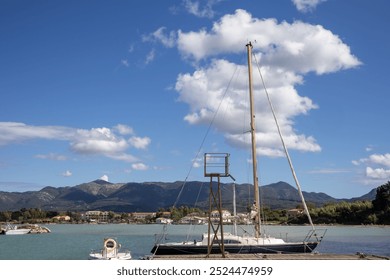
[(74, 242)]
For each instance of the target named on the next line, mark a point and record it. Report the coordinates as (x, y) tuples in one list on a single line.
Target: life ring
[(110, 244)]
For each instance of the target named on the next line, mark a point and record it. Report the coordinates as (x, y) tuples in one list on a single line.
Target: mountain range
[(151, 196)]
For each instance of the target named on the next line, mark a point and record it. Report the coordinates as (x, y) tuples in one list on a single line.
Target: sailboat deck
[(357, 256)]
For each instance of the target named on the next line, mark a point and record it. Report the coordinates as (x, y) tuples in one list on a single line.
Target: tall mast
[(253, 141)]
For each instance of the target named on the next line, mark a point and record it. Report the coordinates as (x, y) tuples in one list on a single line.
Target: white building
[(96, 216), (162, 220), (226, 216)]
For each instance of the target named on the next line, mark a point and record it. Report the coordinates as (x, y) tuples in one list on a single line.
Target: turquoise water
[(74, 242)]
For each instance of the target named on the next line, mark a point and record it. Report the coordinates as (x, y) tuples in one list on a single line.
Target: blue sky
[(126, 90)]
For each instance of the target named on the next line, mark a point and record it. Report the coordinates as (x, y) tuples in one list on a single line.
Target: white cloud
[(298, 47), (96, 141), (122, 157), (160, 35), (380, 159), (140, 142), (286, 51), (67, 173), (369, 148), (139, 166), (204, 89), (125, 62), (329, 171), (195, 8), (376, 159), (377, 168), (356, 162), (124, 129), (13, 132), (378, 173), (51, 156), (104, 178), (197, 162), (306, 5), (150, 56)]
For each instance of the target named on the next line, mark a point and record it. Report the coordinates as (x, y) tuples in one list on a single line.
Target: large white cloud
[(96, 141), (286, 52), (298, 46), (204, 89)]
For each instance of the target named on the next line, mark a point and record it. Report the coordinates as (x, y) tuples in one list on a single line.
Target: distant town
[(352, 213), (164, 217), (181, 215)]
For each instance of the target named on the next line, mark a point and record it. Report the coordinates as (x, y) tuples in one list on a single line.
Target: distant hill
[(138, 197)]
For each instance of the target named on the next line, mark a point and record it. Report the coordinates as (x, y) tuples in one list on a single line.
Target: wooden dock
[(316, 256)]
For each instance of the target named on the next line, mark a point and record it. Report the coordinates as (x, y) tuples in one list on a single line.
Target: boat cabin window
[(228, 241)]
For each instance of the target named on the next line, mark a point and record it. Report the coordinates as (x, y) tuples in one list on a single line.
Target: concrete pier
[(315, 256)]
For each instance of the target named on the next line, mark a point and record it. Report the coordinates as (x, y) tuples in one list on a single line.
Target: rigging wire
[(195, 205), (205, 136), (285, 147)]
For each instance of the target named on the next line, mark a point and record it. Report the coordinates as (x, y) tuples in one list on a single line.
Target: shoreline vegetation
[(375, 212)]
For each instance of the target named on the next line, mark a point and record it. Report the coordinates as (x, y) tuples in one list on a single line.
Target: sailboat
[(220, 242)]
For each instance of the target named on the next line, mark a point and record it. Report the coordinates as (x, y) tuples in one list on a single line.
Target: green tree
[(372, 219), (5, 216), (382, 199), (381, 204), (16, 215)]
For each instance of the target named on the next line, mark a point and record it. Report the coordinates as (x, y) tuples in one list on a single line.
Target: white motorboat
[(110, 251), (15, 230)]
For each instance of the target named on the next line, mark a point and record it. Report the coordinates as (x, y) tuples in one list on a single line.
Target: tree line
[(376, 211), (35, 215)]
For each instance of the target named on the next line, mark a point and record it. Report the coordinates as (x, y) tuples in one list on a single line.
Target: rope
[(285, 147)]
